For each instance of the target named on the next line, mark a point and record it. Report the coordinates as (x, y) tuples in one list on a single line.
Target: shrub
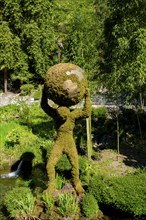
[(99, 112), (20, 202), (9, 113), (127, 193), (67, 204), (89, 206), (24, 114), (63, 164), (26, 89), (36, 94), (17, 137), (87, 170), (13, 137), (48, 201)]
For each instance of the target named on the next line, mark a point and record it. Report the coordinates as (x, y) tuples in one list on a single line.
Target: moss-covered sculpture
[(64, 117)]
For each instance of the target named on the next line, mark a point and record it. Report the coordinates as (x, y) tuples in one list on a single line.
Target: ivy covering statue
[(65, 85)]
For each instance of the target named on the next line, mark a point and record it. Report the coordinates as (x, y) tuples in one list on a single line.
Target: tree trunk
[(5, 81), (118, 135), (139, 126), (141, 101), (118, 131)]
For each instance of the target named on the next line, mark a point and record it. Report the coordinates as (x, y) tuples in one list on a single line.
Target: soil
[(120, 164)]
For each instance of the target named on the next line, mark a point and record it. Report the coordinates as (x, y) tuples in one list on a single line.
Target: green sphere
[(65, 84)]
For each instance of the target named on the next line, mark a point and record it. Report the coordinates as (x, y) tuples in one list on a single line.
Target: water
[(13, 174)]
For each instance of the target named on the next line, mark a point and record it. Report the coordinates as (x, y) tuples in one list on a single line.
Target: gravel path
[(12, 98)]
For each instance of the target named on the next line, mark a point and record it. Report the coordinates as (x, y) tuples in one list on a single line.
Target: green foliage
[(24, 113), (63, 164), (20, 202), (24, 43), (59, 181), (126, 45), (67, 205), (9, 113), (89, 206), (37, 35), (37, 93), (18, 136), (126, 193), (26, 89), (39, 177), (48, 201), (78, 33), (85, 171), (5, 186), (7, 127), (12, 58), (13, 138), (22, 183), (99, 112), (17, 139)]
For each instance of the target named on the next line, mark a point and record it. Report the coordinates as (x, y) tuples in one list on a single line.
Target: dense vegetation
[(28, 134), (36, 35), (106, 38)]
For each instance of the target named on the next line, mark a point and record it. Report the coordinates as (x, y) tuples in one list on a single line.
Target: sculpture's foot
[(79, 189)]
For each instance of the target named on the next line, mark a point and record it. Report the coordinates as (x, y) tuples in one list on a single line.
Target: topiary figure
[(65, 85)]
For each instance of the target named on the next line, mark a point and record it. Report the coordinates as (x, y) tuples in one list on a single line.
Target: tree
[(124, 65), (12, 58), (54, 31), (78, 29), (26, 39), (125, 33)]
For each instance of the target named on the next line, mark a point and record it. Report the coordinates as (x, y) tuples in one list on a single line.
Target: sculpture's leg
[(73, 157), (53, 159)]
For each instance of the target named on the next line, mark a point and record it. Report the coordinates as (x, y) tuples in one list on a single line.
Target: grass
[(5, 129), (7, 155), (24, 129)]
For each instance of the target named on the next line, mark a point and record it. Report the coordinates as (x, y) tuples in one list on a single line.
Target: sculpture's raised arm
[(45, 106), (87, 106), (86, 111)]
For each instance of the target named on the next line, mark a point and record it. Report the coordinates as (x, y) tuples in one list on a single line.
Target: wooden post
[(89, 139)]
